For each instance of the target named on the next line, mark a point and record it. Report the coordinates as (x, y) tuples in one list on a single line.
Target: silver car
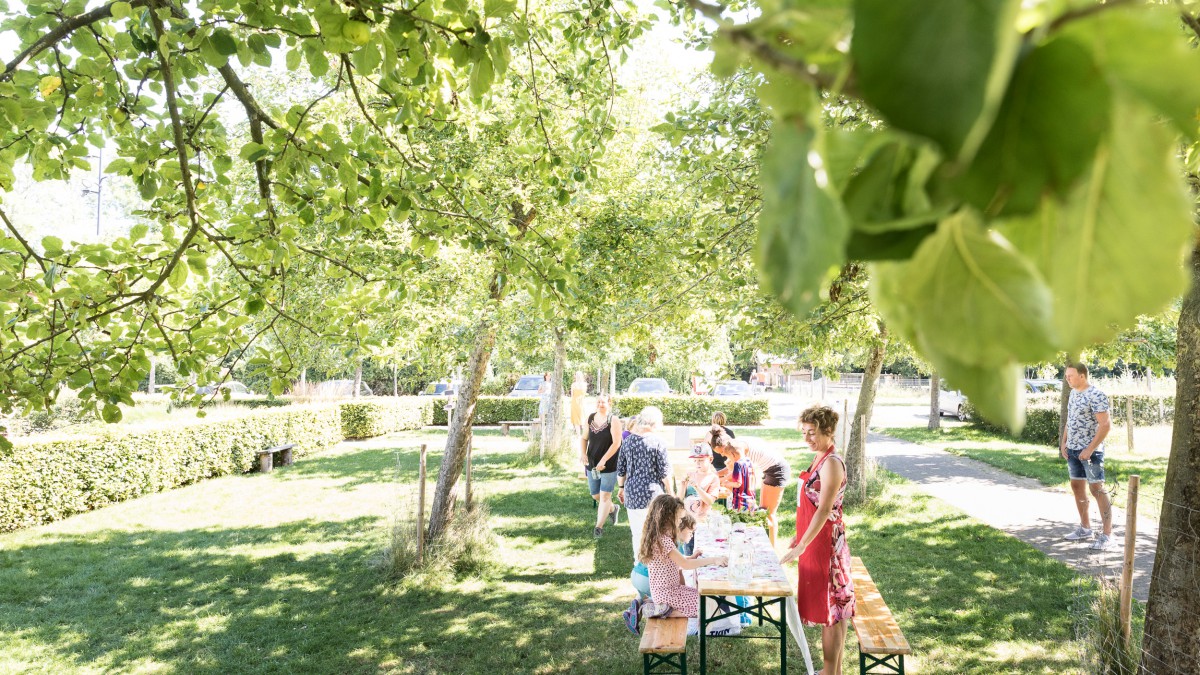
[(952, 402), (527, 386)]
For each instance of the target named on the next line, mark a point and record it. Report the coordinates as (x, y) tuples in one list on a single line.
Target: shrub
[(1042, 419), (251, 402), (466, 547), (697, 410), (376, 417), (48, 479), (491, 409)]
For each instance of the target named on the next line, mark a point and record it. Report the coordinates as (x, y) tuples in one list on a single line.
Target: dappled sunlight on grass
[(273, 573)]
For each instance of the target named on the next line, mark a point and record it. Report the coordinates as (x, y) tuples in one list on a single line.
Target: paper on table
[(766, 562)]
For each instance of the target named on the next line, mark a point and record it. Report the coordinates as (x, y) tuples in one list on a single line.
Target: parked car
[(342, 388), (952, 402), (526, 386), (733, 388), (1042, 386), (649, 385), (231, 387), (440, 389)]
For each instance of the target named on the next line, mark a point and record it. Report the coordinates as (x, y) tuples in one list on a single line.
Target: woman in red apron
[(825, 595)]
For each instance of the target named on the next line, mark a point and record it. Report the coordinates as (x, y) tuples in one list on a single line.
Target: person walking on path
[(578, 391), (599, 447), (643, 468), (1082, 445), (825, 591), (768, 464)]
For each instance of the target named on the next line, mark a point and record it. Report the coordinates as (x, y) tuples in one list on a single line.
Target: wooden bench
[(266, 458), (504, 426), (664, 643), (881, 644)]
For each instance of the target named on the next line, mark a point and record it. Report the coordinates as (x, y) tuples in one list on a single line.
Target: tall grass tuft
[(1105, 650), (466, 548)]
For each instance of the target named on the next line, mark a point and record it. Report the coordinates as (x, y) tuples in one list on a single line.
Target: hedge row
[(697, 409), (42, 480), (490, 409), (1042, 419), (376, 417)]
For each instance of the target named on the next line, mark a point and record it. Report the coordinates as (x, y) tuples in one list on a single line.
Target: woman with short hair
[(825, 592), (643, 468)]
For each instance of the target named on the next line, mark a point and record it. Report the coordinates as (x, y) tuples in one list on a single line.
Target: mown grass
[(277, 574), (1043, 463)]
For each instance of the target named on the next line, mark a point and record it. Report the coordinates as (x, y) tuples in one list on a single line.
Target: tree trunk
[(303, 380), (612, 380), (150, 382), (395, 380), (459, 434), (357, 378), (555, 422), (1170, 644), (856, 450), (935, 409)]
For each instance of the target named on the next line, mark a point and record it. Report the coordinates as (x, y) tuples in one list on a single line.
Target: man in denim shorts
[(1082, 446)]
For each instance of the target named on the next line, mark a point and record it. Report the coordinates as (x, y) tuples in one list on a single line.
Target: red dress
[(825, 592)]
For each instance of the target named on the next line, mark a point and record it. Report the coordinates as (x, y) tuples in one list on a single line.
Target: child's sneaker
[(654, 610), (633, 616)]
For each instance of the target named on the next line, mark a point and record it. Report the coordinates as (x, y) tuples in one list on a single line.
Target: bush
[(376, 417), (466, 547), (250, 402), (697, 410), (491, 409), (45, 480), (1042, 419), (67, 411)]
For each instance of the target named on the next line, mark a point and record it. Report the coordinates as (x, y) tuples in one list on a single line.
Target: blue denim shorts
[(1092, 470), (601, 482)]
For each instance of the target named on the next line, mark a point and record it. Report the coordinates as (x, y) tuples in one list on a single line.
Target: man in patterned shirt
[(1082, 445)]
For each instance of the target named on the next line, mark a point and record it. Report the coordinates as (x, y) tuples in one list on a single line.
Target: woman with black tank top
[(600, 444)]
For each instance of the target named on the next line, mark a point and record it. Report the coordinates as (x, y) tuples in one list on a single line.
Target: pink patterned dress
[(825, 593), (666, 582)]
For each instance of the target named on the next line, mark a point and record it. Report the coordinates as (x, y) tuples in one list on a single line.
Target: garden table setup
[(753, 571)]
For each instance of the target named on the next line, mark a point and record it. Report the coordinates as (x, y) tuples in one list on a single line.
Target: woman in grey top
[(642, 470)]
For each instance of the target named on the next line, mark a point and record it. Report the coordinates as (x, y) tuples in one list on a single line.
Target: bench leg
[(287, 457), (676, 662), (503, 429), (869, 663), (266, 462)]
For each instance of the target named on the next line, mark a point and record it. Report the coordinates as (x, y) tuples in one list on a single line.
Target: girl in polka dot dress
[(666, 564)]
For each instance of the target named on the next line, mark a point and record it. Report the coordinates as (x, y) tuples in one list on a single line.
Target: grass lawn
[(1044, 463), (274, 574)]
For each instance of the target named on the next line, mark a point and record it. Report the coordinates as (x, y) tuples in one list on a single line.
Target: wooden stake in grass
[(1127, 571), (862, 464), (845, 423), (470, 492), (1129, 420), (421, 509)]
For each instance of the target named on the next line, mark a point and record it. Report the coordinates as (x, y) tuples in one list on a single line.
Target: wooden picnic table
[(768, 585)]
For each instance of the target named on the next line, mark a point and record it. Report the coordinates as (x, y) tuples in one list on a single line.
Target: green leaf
[(252, 152), (482, 74), (498, 9), (223, 42), (254, 305), (1115, 248), (111, 413), (147, 185), (53, 246), (198, 264), (1140, 47), (138, 231), (898, 245), (121, 10), (937, 68), (975, 299), (802, 230), (178, 276), (1045, 136)]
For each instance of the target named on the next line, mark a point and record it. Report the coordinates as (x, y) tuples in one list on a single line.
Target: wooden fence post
[(421, 509), (846, 423), (1129, 420), (862, 460), (1127, 571), (470, 492)]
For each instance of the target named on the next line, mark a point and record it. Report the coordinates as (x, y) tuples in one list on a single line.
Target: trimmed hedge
[(251, 402), (45, 480), (364, 419), (1041, 415), (491, 409), (697, 410)]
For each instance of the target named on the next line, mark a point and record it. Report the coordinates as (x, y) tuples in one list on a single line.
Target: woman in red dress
[(826, 593)]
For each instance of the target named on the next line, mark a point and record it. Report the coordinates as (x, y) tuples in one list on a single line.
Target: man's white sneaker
[(1102, 543), (1080, 533)]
